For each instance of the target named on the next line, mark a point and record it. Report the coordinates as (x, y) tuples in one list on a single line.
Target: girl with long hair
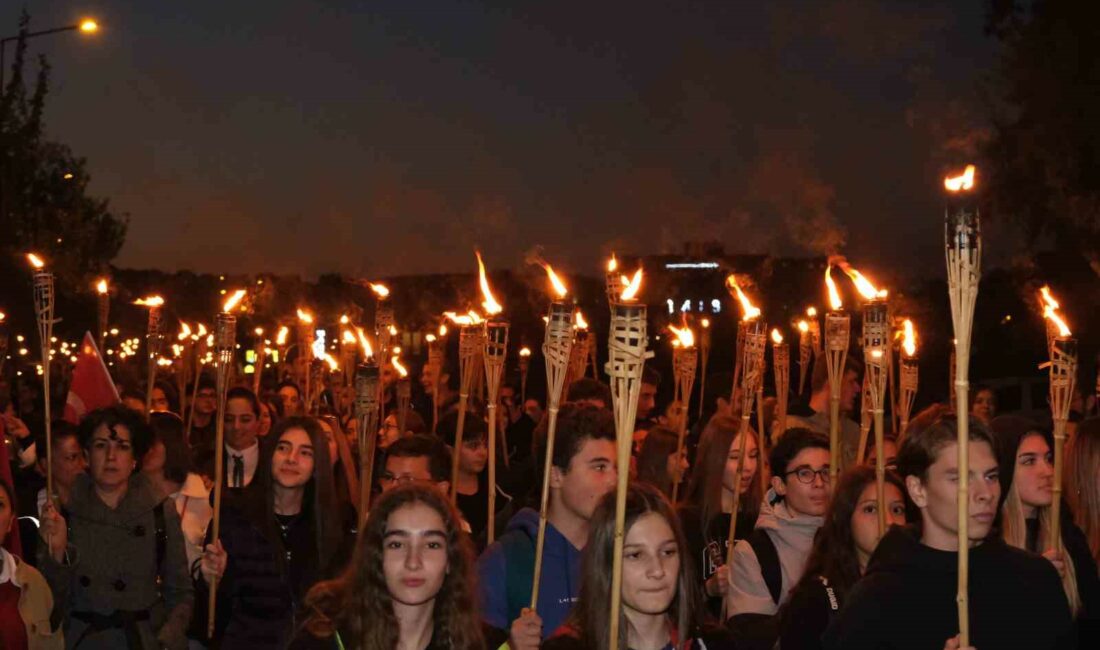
[(709, 501), (843, 546), (276, 542), (1026, 465), (1083, 482), (658, 463), (410, 583), (661, 606), (167, 467)]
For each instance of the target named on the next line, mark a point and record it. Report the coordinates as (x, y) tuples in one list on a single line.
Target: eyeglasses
[(807, 475), (404, 479)]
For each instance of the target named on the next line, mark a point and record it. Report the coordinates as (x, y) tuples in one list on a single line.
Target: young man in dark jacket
[(906, 599), (582, 472)]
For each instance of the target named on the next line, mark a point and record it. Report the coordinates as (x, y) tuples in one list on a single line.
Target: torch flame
[(777, 336), (750, 311), (964, 181), (525, 351), (1063, 329), (863, 285), (304, 316), (834, 295), (344, 320), (580, 322), (233, 300), (706, 323), (348, 337), (401, 370), (393, 330), (35, 261), (101, 286), (1046, 299), (280, 338), (364, 343), (380, 290), (202, 330), (811, 312), (612, 264), (332, 365), (555, 282), (469, 318), (443, 329), (684, 336), (490, 303), (185, 331), (632, 287), (259, 331), (430, 338), (151, 301), (909, 342)]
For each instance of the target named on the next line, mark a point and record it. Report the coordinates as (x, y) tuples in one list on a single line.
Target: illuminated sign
[(691, 265)]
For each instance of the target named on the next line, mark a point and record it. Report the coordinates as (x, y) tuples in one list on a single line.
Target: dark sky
[(379, 138)]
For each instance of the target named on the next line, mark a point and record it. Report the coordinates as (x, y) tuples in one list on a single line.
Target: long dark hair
[(589, 617), (660, 443), (359, 603), (167, 429), (705, 489), (834, 554), (319, 501)]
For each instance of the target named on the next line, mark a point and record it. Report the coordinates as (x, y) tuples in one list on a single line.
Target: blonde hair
[(1082, 487), (1014, 531)]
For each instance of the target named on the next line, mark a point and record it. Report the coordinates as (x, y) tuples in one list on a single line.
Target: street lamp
[(85, 26)]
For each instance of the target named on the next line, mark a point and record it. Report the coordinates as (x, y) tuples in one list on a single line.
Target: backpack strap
[(768, 557), (160, 537)]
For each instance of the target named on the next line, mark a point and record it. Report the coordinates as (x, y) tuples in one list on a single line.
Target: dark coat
[(111, 566)]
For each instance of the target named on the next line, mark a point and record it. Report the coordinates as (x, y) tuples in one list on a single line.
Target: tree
[(44, 203), (1045, 148)]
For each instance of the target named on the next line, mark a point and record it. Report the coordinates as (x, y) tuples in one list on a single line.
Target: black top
[(812, 605), (475, 507), (907, 599), (709, 551), (1084, 567), (707, 637)]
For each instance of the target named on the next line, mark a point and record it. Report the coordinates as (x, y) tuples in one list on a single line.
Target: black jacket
[(907, 599), (806, 615)]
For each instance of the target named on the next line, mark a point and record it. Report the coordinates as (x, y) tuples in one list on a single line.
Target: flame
[(348, 337), (364, 343), (684, 336), (490, 303), (579, 321), (401, 370), (304, 316), (863, 285), (750, 311), (185, 331), (344, 320), (202, 330), (834, 295), (811, 312), (803, 326), (443, 329), (909, 342), (35, 261), (525, 351), (964, 181), (101, 286), (632, 287), (555, 282), (280, 338), (232, 301), (332, 365), (706, 323), (1063, 329), (777, 336), (467, 319), (151, 301), (393, 330), (259, 331), (430, 338), (380, 290), (1046, 299), (612, 264)]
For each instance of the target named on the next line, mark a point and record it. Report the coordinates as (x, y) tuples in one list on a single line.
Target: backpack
[(761, 631)]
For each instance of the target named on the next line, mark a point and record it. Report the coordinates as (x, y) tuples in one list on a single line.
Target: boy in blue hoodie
[(582, 472)]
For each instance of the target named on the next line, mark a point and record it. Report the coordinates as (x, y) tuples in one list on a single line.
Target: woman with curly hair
[(410, 584)]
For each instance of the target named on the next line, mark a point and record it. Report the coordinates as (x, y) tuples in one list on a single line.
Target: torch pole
[(494, 354), (43, 310), (152, 348), (704, 348), (804, 352), (1063, 375), (684, 361), (837, 333), (908, 382), (366, 411), (556, 348), (224, 342), (626, 358), (103, 310), (435, 366), (755, 342), (469, 339), (876, 358), (963, 249)]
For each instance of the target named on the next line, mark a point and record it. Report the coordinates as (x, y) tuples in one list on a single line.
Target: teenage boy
[(768, 564), (906, 598), (419, 458), (582, 472), (814, 414)]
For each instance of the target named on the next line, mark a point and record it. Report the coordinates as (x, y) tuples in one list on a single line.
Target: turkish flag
[(92, 386)]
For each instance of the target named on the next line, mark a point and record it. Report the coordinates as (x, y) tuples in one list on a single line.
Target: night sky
[(380, 138)]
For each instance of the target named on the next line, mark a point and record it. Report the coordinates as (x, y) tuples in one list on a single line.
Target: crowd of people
[(123, 553)]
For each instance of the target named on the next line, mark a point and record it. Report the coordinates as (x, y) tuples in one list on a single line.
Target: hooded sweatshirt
[(793, 537), (506, 573), (906, 599)]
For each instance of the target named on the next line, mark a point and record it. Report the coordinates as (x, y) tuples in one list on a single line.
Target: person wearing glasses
[(771, 561), (420, 459)]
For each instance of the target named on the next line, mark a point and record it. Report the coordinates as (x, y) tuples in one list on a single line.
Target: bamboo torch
[(200, 343), (750, 322), (704, 356), (366, 412), (469, 340), (876, 350), (626, 357), (578, 359), (493, 354), (403, 391), (259, 348), (183, 348), (837, 333), (612, 282), (815, 331), (305, 355), (685, 359), (756, 342), (909, 377), (781, 368), (805, 350), (435, 368), (1063, 376), (557, 346), (43, 312), (225, 341), (963, 247), (152, 344), (524, 366), (348, 350), (281, 347), (103, 310)]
